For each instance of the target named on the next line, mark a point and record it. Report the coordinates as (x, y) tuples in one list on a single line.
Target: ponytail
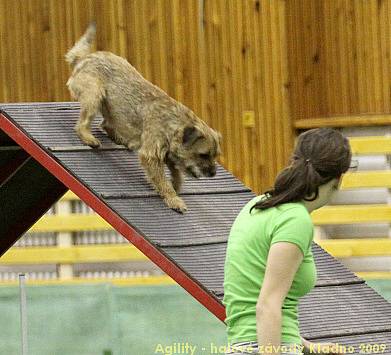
[(320, 155)]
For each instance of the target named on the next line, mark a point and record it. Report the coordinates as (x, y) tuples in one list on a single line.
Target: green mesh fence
[(106, 320), (383, 287), (102, 319)]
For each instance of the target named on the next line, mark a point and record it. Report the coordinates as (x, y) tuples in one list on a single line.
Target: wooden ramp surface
[(41, 158)]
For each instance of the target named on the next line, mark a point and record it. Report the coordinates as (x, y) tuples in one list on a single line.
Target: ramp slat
[(373, 343), (206, 263), (205, 222), (356, 309), (127, 178)]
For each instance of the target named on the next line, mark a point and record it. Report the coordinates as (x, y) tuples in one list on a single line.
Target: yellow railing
[(371, 145), (352, 214), (342, 248), (102, 253), (71, 223), (160, 280)]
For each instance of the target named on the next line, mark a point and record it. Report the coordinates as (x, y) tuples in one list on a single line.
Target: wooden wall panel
[(339, 57), (218, 57), (246, 71)]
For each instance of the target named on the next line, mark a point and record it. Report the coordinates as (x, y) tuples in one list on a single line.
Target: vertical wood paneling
[(279, 59), (350, 74), (247, 71)]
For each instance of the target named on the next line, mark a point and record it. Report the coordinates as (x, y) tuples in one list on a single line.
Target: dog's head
[(197, 150)]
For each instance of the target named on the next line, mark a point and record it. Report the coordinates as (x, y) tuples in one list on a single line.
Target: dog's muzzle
[(210, 172)]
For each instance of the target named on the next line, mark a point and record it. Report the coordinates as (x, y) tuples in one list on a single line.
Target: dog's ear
[(191, 135), (219, 137)]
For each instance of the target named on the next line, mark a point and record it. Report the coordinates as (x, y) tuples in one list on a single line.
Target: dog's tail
[(82, 47)]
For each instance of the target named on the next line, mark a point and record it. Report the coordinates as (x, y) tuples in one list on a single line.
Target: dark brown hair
[(320, 155)]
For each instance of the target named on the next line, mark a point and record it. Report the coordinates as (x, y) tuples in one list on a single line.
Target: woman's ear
[(338, 182)]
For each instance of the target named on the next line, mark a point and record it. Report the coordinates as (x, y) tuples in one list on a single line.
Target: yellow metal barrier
[(342, 248), (374, 275), (366, 179), (370, 145), (71, 223), (350, 214), (72, 255)]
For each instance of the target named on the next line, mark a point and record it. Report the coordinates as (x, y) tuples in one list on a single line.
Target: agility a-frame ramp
[(41, 158)]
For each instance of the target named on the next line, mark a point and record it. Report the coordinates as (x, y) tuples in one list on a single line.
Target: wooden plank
[(375, 56), (275, 67), (261, 174), (343, 248), (384, 43), (344, 121), (227, 61), (351, 56), (351, 214), (353, 42), (72, 255), (269, 146), (332, 28)]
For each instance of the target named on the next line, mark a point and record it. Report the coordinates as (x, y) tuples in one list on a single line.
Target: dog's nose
[(212, 172)]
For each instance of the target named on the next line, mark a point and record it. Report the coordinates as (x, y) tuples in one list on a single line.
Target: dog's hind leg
[(90, 99), (122, 133), (108, 126)]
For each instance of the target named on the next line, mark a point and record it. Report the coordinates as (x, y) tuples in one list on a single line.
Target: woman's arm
[(269, 326), (282, 263)]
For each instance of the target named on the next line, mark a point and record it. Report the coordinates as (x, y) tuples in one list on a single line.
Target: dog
[(140, 116)]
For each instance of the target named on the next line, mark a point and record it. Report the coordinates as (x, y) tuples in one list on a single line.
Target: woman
[(269, 263)]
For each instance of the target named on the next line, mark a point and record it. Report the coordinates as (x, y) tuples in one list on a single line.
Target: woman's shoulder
[(293, 209), (292, 206), (283, 207), (287, 210)]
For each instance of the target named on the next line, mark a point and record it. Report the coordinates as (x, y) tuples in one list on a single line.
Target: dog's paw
[(92, 142), (176, 204), (86, 137)]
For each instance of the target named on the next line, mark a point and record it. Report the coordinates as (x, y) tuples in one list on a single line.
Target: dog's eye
[(204, 156)]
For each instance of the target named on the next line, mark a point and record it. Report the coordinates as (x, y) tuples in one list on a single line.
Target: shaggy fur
[(140, 116)]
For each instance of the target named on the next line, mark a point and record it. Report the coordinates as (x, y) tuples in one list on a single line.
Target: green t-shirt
[(248, 246)]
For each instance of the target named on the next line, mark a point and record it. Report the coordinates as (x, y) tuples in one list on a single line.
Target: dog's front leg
[(176, 176), (154, 168)]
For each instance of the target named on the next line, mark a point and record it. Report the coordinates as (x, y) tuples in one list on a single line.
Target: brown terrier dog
[(140, 116)]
